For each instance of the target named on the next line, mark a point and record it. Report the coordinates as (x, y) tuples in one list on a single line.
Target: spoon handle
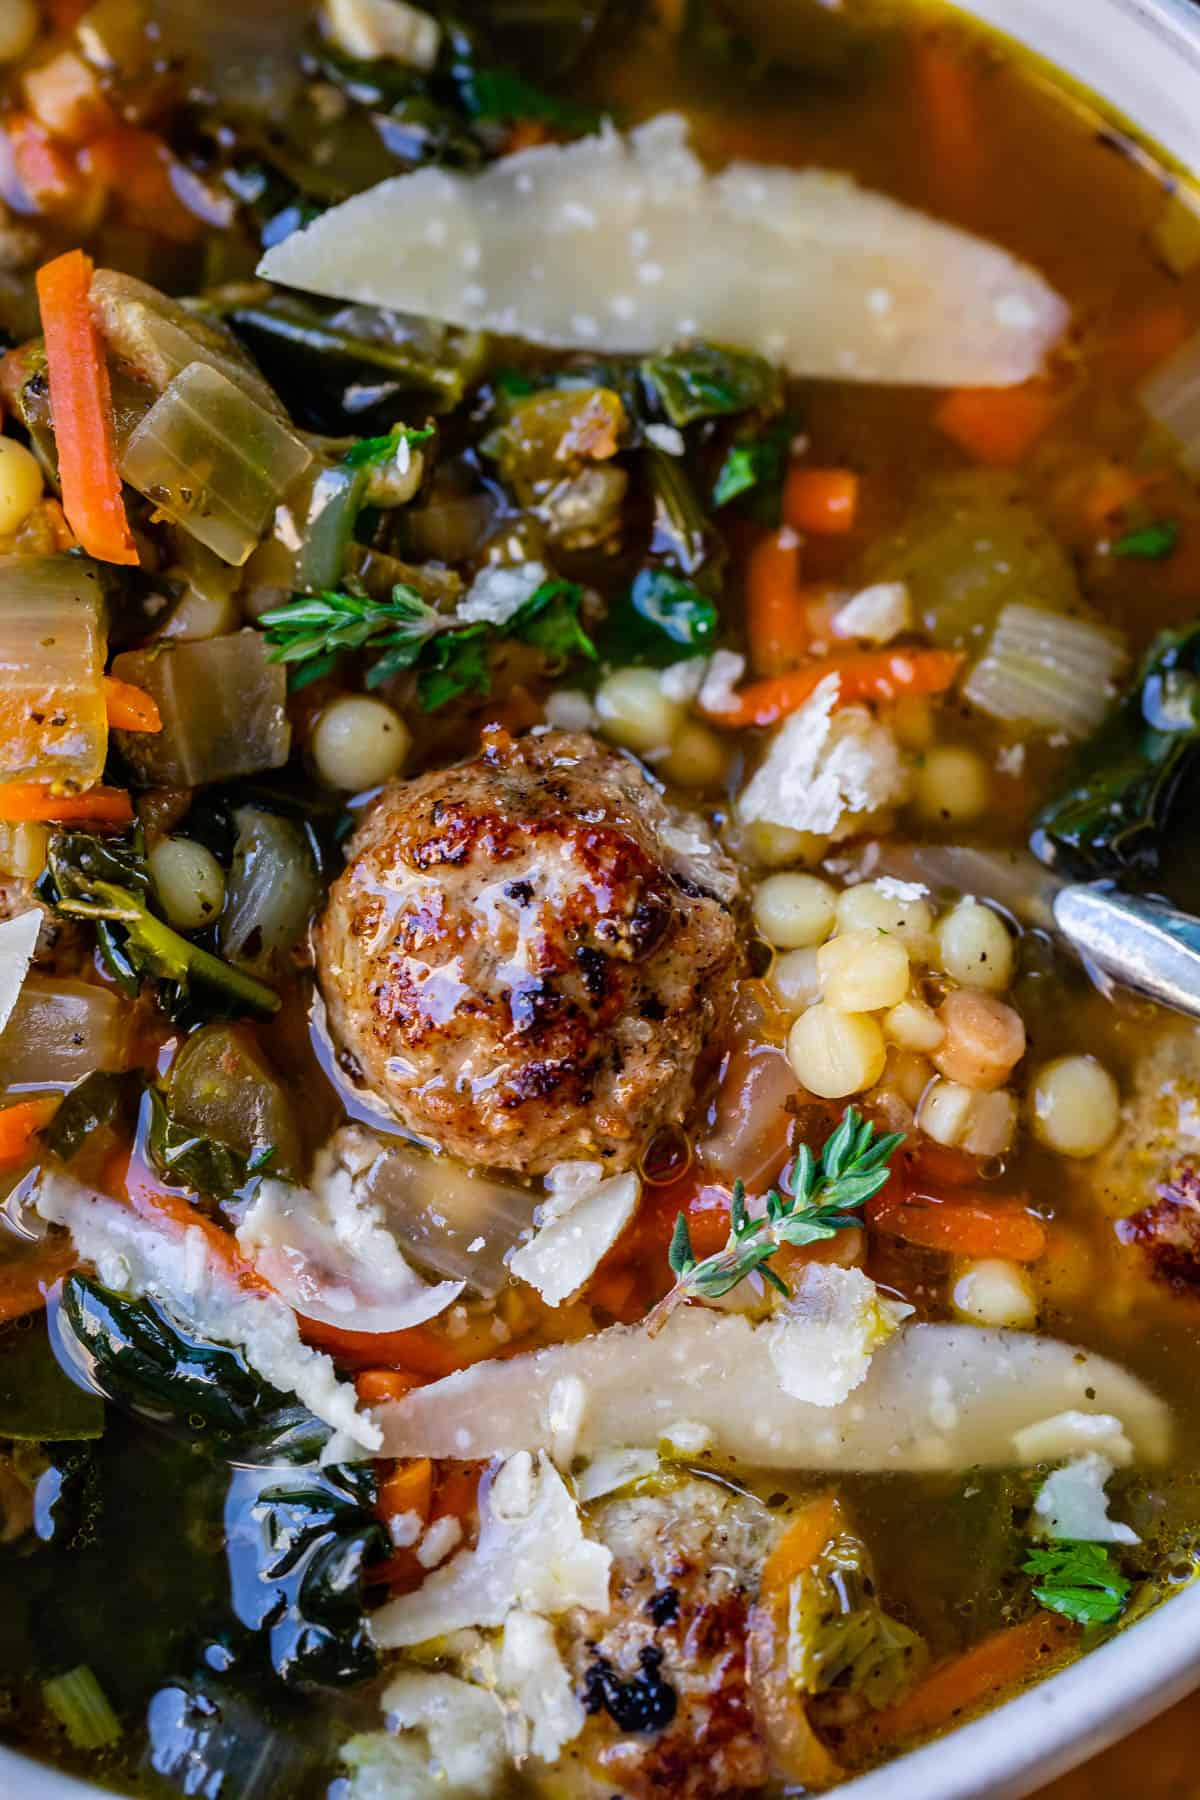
[(1145, 945)]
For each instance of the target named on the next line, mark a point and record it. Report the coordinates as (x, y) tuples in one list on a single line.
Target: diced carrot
[(130, 708), (823, 501), (878, 675), (456, 1492), (802, 1543), (776, 622), (417, 1349), (24, 1281), (81, 404), (525, 134), (998, 426), (408, 1489), (19, 1125), (33, 802), (137, 168), (962, 1226), (939, 1163), (1115, 487), (376, 1386), (1009, 1657)]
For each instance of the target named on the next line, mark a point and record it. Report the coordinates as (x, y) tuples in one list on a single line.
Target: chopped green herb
[(1080, 1581), (319, 626), (754, 470), (826, 1196), (1151, 543), (456, 664), (549, 620), (706, 381), (373, 452)]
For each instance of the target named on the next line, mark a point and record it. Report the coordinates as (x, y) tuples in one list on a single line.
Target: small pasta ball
[(1076, 1106), (994, 1292), (18, 28), (358, 742), (863, 971), (975, 947), (870, 905), (189, 881), (984, 1041), (634, 712), (794, 912), (952, 785), (964, 1119), (914, 1026), (793, 980), (697, 757), (835, 1054), (993, 1124), (20, 484), (908, 1072), (776, 846)]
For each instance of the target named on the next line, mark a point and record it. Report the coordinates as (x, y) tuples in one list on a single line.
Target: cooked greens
[(1081, 1581)]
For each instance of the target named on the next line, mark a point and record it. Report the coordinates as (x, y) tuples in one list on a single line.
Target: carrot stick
[(776, 622), (418, 1350), (20, 1124), (998, 426), (374, 1386), (823, 501), (947, 110), (32, 802), (409, 1488), (130, 708), (81, 404), (988, 1669), (801, 1544), (881, 675), (962, 1226)]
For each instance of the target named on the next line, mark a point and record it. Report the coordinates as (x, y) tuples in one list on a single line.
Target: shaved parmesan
[(134, 1255), (445, 1742), (613, 1470), (875, 615), (327, 1251), (935, 1397), (531, 1553), (625, 244), (822, 1340), (531, 1673), (1073, 1433), (576, 1228), (1072, 1504), (498, 591), (824, 768), (369, 29), (18, 941)]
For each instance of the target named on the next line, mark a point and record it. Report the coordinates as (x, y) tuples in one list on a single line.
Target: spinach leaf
[(549, 620), (108, 883), (683, 536), (457, 662), (372, 452), (149, 1364), (38, 1400), (501, 94), (707, 381), (299, 1554), (192, 1159), (104, 1097), (659, 620), (753, 473), (1111, 818)]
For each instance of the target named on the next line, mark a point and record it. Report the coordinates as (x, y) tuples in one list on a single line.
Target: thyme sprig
[(827, 1193)]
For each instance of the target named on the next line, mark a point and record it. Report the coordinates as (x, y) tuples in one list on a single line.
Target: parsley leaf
[(705, 381), (549, 619), (1080, 1581), (373, 452), (1151, 543), (754, 470)]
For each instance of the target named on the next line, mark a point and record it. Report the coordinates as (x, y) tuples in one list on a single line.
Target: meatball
[(528, 954)]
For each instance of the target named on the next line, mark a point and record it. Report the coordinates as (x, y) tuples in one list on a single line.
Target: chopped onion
[(248, 48), (18, 941), (1171, 395), (59, 1031), (936, 1397), (53, 725), (214, 461), (157, 338), (452, 528), (272, 892), (1048, 671), (640, 246), (223, 707)]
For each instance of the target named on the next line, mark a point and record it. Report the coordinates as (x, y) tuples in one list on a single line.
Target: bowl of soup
[(581, 586)]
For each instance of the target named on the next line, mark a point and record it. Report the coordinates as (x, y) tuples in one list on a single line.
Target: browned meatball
[(527, 954)]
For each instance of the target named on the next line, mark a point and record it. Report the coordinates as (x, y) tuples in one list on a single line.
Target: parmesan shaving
[(576, 1228), (18, 941), (1072, 1504), (825, 768)]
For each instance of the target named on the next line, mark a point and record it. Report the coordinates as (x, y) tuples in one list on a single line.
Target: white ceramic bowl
[(1142, 57)]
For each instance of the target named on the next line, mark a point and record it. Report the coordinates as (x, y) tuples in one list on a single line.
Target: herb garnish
[(825, 1198), (311, 630), (373, 452), (1151, 543), (1080, 1581), (753, 472)]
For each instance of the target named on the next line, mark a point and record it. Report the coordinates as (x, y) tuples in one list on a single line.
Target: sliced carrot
[(823, 501), (33, 802), (408, 1489), (947, 110), (802, 1543), (456, 1494), (130, 708), (1009, 1657), (776, 622), (961, 1226), (81, 404), (417, 1350), (878, 675), (998, 426), (23, 1282), (19, 1125), (376, 1386)]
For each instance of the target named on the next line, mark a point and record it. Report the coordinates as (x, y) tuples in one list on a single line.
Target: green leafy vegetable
[(493, 93), (1151, 542), (1080, 1581), (39, 1403), (375, 451), (102, 1098), (683, 536), (1112, 816), (839, 1635), (549, 620), (87, 878), (207, 1392), (81, 1707), (191, 1159), (671, 614), (708, 381), (456, 664), (753, 472), (826, 1196), (300, 1553)]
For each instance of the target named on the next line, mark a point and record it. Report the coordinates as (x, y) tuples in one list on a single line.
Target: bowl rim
[(1086, 1708)]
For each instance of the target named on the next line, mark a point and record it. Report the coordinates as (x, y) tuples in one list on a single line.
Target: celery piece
[(223, 711), (53, 726), (79, 1704)]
